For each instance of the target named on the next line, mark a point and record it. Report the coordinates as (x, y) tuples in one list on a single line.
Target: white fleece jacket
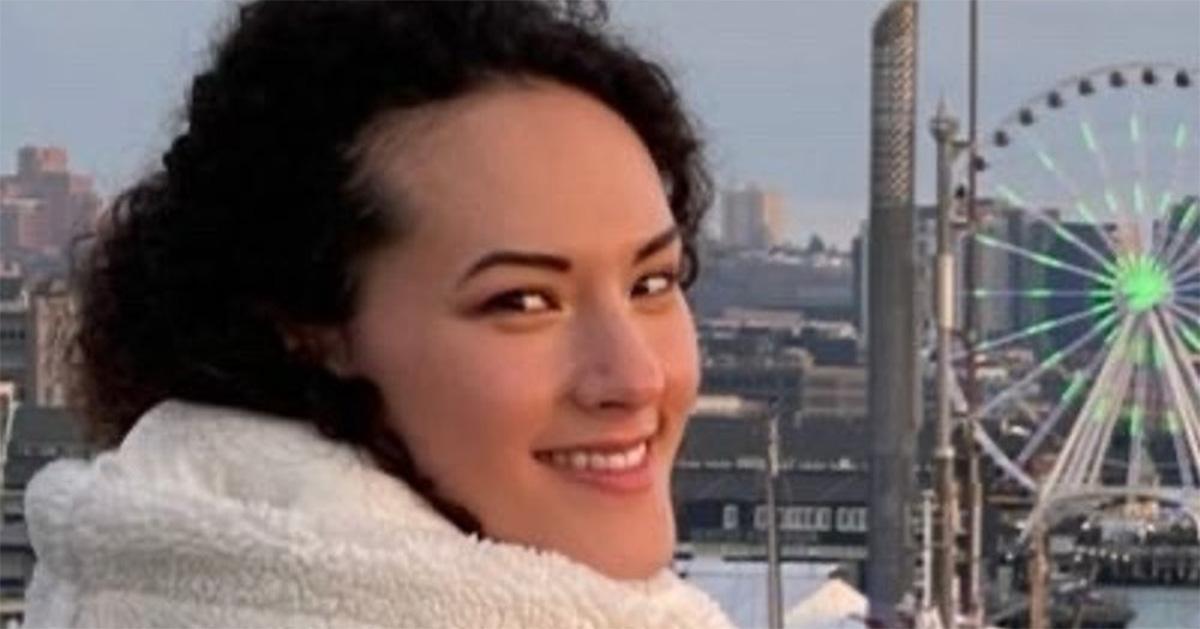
[(208, 517)]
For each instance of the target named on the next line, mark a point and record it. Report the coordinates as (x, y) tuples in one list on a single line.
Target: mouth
[(616, 469)]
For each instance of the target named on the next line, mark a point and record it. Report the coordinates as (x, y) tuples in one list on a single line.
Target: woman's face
[(528, 335)]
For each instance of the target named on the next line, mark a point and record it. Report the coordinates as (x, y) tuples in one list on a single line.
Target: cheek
[(460, 398), (679, 356)]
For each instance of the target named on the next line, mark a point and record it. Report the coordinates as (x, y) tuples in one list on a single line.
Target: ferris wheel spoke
[(1102, 438), (1181, 314), (1186, 286), (1075, 200), (1002, 461), (1093, 145), (1039, 328), (1137, 417), (1042, 259), (1187, 477), (1097, 152), (1073, 460), (1042, 293), (1180, 260), (1117, 391), (1178, 143), (1066, 461), (1012, 391), (1174, 332), (1191, 214), (1137, 192), (1183, 419), (1076, 387), (1184, 416), (1179, 267), (1139, 155)]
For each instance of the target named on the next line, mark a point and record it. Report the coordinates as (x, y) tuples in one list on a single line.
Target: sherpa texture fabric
[(214, 517)]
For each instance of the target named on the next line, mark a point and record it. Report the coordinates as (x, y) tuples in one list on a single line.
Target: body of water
[(1163, 608)]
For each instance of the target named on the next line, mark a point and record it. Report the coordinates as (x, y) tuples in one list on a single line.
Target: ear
[(328, 346)]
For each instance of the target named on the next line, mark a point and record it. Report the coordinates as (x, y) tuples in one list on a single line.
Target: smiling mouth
[(623, 471)]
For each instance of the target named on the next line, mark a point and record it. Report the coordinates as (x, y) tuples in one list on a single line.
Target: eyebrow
[(560, 264)]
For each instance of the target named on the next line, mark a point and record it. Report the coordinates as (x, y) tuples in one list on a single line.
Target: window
[(729, 517), (823, 519), (852, 519), (795, 518)]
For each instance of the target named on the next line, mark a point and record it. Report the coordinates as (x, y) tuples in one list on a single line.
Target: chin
[(637, 559)]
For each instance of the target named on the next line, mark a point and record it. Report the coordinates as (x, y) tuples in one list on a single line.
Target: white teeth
[(598, 461), (635, 456)]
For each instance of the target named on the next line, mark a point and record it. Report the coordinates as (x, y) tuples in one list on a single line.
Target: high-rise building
[(752, 218), (14, 326), (52, 321), (44, 204), (858, 257)]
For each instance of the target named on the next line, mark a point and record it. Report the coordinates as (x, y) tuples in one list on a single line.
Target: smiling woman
[(396, 338)]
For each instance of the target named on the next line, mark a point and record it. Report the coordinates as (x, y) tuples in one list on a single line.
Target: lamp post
[(774, 580), (944, 128)]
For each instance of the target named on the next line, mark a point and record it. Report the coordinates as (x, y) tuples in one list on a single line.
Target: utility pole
[(927, 502), (944, 128), (972, 595), (774, 582), (1036, 575)]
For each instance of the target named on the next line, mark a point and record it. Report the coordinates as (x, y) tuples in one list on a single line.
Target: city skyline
[(105, 80)]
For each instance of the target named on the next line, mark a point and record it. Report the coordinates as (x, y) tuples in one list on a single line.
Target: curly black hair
[(255, 223)]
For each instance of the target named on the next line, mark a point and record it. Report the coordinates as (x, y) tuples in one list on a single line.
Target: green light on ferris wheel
[(1193, 338), (1142, 281)]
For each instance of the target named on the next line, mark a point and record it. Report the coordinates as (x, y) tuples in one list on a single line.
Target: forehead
[(529, 164)]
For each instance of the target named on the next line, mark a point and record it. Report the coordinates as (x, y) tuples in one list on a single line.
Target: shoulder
[(210, 504)]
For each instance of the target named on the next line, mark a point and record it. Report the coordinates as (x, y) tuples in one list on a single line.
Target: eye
[(653, 284), (520, 301)]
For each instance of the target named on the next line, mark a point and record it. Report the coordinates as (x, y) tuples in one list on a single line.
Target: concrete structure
[(14, 326), (838, 392), (811, 370), (37, 323), (38, 436), (859, 256), (43, 204), (822, 486), (818, 285), (52, 322), (752, 218), (893, 376)]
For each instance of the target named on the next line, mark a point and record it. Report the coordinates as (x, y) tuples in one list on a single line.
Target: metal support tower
[(973, 489), (944, 128)]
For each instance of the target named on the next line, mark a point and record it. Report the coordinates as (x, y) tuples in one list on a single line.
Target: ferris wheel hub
[(1142, 281)]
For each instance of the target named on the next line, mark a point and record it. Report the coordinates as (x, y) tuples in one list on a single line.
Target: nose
[(617, 368)]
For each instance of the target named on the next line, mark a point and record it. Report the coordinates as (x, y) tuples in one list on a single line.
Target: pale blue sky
[(780, 87)]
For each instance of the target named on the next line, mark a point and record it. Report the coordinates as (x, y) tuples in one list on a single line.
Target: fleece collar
[(208, 508)]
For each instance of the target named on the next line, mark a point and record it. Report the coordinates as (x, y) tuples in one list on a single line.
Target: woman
[(396, 337)]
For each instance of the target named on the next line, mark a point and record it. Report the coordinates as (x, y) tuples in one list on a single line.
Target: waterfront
[(1162, 607)]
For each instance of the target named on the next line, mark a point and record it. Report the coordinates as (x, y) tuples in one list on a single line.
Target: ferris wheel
[(1086, 351)]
